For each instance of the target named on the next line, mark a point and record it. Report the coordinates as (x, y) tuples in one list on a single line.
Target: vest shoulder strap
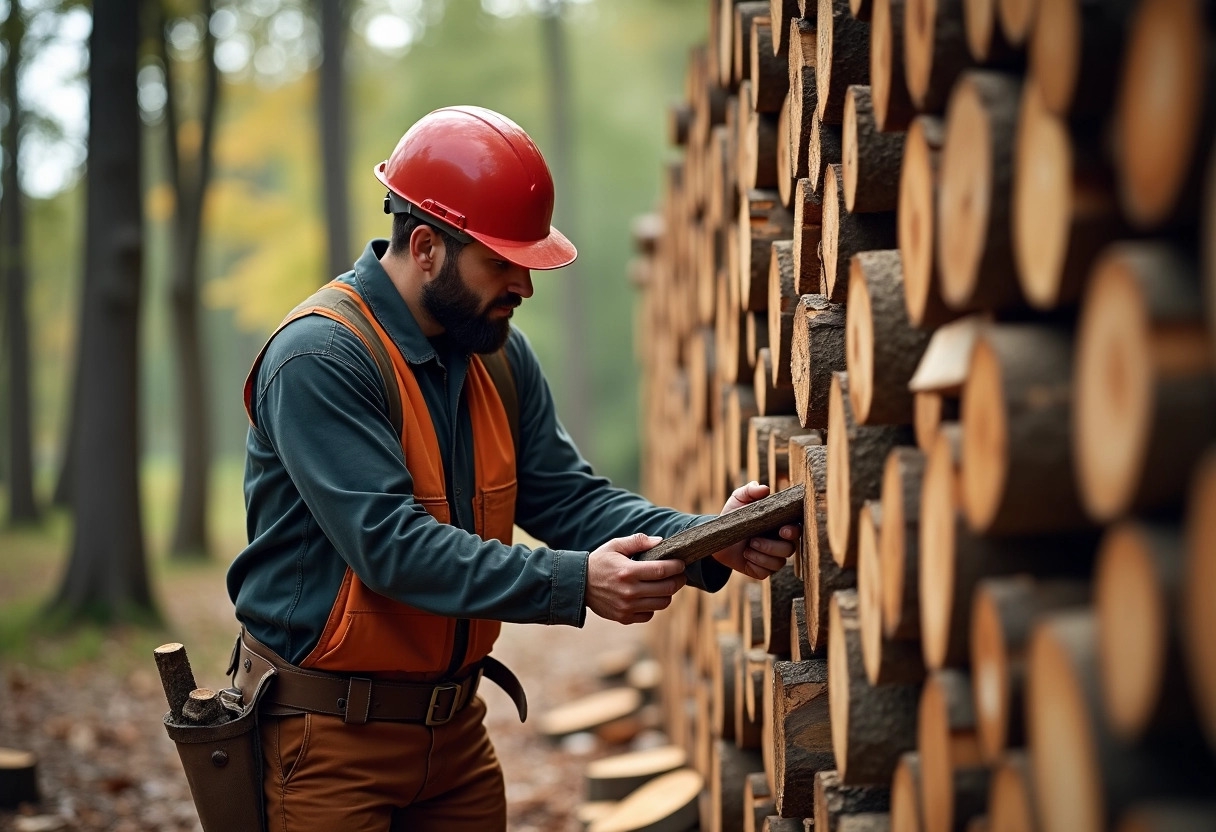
[(499, 368), (340, 303)]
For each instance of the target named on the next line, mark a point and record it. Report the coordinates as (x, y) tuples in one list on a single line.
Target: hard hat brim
[(552, 252)]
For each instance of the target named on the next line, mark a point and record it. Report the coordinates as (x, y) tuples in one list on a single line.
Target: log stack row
[(950, 264)]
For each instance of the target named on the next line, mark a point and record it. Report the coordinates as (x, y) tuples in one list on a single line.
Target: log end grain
[(1199, 594)]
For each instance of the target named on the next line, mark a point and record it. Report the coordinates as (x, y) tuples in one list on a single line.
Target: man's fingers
[(635, 543), (657, 570)]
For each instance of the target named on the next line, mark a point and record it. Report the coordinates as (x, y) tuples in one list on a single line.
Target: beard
[(458, 310)]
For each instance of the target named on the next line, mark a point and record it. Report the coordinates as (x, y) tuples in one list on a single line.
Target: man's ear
[(426, 249)]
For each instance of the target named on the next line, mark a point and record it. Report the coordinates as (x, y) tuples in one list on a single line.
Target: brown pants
[(321, 773)]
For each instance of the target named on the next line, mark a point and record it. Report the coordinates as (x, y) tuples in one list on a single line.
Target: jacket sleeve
[(561, 500)]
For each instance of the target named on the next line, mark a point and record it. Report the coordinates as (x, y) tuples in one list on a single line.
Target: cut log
[(786, 163), (1017, 19), (1074, 50), (1083, 777), (755, 335), (929, 411), (782, 298), (905, 794), (846, 234), (590, 711), (1003, 610), (824, 148), (613, 778), (973, 210), (1164, 114), (759, 430), (870, 159), (818, 350), (842, 57), (886, 660), (800, 642), (740, 410), (954, 781), (822, 576), (856, 455), (590, 811), (802, 734), (764, 221), (752, 618), (757, 145), (988, 42), (1010, 800), (777, 595), (883, 348), (916, 215), (770, 74), (781, 12), (666, 804), (747, 730), (19, 778), (1169, 817), (204, 708), (803, 96), (1016, 412), (808, 232), (1141, 324), (1199, 593), (899, 543), (893, 108), (741, 33), (834, 801), (1137, 591), (758, 801), (722, 685), (935, 51), (175, 676), (770, 400), (871, 726), (865, 821), (1064, 206)]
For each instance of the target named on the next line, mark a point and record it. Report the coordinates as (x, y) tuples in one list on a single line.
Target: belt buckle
[(431, 719)]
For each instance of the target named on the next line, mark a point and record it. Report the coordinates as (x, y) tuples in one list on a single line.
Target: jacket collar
[(374, 285)]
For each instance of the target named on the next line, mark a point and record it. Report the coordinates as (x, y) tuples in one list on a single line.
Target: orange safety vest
[(370, 633)]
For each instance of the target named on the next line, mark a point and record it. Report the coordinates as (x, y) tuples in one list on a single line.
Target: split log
[(19, 778), (769, 73), (782, 298), (1199, 593), (758, 801), (987, 41), (905, 794), (1154, 816), (846, 234), (822, 576), (1142, 323), (865, 821), (1165, 112), (1064, 206), (666, 804), (1074, 50), (915, 218), (764, 220), (1010, 797), (954, 781), (834, 801), (817, 351), (871, 726), (808, 232), (883, 348), (899, 543), (770, 400), (590, 711), (777, 596), (1016, 412), (842, 57), (802, 734), (741, 38), (946, 361), (1083, 777), (614, 778), (1003, 610), (1137, 592), (953, 559), (804, 91), (893, 109), (740, 409), (759, 429), (973, 210), (886, 660), (800, 642), (870, 159), (176, 677), (856, 455), (935, 51), (824, 148)]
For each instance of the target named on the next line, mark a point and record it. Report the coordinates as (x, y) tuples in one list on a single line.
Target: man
[(387, 463)]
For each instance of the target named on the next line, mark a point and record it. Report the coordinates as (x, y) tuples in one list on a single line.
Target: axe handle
[(753, 520)]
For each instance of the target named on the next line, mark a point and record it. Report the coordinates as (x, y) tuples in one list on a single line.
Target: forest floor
[(89, 704)]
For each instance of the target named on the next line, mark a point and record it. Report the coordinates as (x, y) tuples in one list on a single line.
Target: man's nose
[(521, 282)]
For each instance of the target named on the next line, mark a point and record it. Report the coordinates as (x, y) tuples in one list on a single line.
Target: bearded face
[(473, 325)]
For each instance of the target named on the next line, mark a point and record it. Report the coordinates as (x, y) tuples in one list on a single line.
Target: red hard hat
[(478, 172)]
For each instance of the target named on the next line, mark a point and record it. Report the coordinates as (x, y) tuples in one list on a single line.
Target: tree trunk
[(106, 576), (333, 16)]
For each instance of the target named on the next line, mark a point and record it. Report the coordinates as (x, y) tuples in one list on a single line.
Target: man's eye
[(502, 264)]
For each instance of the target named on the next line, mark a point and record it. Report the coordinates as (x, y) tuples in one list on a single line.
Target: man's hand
[(629, 591), (758, 557)]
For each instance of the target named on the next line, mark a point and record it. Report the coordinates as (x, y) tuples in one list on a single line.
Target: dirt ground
[(105, 763)]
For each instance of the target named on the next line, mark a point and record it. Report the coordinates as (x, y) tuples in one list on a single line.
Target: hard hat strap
[(397, 204)]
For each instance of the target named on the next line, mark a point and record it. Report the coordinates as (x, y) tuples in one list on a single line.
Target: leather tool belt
[(360, 699)]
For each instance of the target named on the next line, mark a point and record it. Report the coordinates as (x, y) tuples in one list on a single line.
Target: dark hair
[(403, 227)]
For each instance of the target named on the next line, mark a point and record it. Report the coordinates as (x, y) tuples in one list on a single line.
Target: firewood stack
[(951, 264)]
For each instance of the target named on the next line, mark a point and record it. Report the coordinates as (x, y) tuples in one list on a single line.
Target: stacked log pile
[(950, 265)]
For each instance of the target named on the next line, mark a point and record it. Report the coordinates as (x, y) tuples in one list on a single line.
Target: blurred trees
[(334, 19)]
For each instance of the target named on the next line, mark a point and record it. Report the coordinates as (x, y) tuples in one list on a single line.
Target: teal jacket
[(326, 487)]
